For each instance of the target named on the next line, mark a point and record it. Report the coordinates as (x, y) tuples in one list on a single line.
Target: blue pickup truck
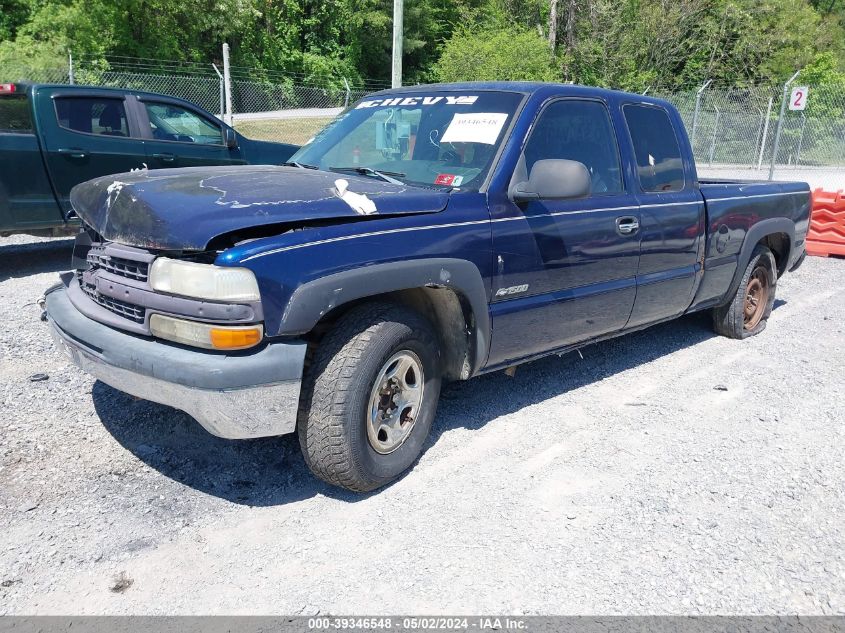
[(430, 233)]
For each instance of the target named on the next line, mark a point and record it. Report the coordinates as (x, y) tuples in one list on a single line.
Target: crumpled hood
[(186, 208)]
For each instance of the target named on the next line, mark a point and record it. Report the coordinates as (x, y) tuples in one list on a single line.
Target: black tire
[(732, 319), (339, 381)]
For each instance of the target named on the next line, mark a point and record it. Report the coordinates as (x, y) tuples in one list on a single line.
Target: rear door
[(86, 134), (177, 135), (671, 214), (566, 268)]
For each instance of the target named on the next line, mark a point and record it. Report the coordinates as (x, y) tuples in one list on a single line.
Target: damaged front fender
[(311, 301)]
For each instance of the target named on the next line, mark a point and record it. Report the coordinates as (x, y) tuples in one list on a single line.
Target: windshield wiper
[(386, 176), (293, 163)]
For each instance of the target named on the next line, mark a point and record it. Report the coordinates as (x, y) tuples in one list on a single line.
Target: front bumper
[(237, 396)]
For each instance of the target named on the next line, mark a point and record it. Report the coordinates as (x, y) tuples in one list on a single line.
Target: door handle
[(72, 152), (627, 225), (166, 157)]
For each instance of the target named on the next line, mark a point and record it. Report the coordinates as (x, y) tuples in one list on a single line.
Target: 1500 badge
[(512, 290)]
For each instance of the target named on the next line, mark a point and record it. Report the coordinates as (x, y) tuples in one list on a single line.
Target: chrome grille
[(118, 265), (122, 308)]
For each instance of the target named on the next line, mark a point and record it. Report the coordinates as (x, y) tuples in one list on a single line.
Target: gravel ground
[(669, 471)]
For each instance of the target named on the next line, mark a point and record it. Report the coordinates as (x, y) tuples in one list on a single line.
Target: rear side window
[(15, 115), (659, 164), (92, 115)]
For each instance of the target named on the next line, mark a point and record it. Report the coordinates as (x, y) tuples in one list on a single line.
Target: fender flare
[(762, 229), (312, 300)]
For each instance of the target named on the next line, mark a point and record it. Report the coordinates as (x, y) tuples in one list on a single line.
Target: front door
[(87, 136), (671, 217), (178, 136), (566, 269)]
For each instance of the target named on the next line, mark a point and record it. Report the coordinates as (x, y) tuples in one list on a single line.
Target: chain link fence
[(278, 108), (284, 107), (733, 131)]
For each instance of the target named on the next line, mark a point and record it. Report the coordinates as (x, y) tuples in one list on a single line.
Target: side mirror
[(554, 179), (230, 138)]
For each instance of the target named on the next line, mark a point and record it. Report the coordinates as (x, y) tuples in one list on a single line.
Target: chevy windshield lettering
[(410, 101)]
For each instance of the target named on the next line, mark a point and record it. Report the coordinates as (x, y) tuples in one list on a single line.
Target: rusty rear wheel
[(746, 313), (756, 298)]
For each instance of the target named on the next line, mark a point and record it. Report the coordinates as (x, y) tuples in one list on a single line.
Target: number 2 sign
[(798, 98)]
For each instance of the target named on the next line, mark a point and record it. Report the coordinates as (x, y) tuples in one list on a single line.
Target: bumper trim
[(219, 391)]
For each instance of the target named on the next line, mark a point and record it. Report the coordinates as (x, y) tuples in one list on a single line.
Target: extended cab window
[(170, 122), (659, 164), (15, 116), (580, 131), (92, 115)]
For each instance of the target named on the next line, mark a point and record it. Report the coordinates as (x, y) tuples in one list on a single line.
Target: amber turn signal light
[(235, 339), (205, 335)]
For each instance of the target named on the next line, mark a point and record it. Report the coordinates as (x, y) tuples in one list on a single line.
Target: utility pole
[(227, 81), (396, 74)]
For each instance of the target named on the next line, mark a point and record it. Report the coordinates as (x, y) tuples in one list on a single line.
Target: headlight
[(223, 337), (203, 281)]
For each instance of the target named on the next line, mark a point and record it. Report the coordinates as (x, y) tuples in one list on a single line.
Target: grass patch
[(296, 131)]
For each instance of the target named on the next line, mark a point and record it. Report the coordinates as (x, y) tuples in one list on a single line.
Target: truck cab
[(53, 137)]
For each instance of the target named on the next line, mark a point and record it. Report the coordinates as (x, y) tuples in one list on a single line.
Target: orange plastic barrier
[(827, 224)]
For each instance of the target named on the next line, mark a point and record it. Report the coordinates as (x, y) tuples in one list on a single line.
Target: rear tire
[(369, 396), (749, 309)]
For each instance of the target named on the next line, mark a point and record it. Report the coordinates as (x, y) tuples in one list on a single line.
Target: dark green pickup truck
[(53, 137)]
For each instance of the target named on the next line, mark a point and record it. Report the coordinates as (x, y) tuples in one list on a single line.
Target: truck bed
[(737, 211)]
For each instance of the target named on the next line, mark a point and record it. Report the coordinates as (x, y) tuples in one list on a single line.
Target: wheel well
[(448, 311), (780, 246)]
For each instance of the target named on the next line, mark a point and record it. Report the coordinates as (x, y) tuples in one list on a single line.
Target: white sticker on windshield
[(475, 127)]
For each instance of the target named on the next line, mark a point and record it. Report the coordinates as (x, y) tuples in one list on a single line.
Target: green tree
[(50, 30), (13, 14), (827, 85), (496, 53), (632, 44)]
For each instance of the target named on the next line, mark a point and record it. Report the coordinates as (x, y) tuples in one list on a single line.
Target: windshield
[(440, 139)]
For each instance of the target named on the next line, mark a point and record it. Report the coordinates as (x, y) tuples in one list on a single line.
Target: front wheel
[(750, 307), (370, 396)]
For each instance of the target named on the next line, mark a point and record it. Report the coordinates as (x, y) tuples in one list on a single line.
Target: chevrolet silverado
[(430, 233)]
